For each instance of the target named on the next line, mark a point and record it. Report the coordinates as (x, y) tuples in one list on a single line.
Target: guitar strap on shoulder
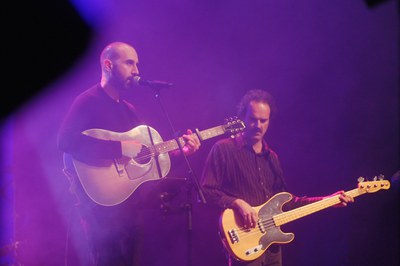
[(156, 154)]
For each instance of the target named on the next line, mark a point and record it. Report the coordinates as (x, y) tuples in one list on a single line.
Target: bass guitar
[(111, 182), (246, 244)]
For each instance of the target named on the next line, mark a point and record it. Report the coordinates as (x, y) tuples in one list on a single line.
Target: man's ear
[(108, 64)]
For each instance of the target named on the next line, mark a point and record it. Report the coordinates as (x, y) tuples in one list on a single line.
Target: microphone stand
[(192, 177)]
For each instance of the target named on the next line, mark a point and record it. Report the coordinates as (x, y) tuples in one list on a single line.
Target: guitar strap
[(156, 154)]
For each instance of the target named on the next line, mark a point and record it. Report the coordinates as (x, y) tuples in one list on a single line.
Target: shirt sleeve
[(70, 140)]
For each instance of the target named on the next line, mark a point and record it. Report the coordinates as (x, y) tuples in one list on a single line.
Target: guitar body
[(110, 182), (248, 244)]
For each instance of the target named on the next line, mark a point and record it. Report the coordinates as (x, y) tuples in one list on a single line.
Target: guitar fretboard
[(295, 214), (211, 132), (171, 145)]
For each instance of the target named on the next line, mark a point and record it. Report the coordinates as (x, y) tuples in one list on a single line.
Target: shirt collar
[(241, 142)]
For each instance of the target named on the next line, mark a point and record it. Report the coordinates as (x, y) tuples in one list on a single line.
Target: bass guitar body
[(247, 244)]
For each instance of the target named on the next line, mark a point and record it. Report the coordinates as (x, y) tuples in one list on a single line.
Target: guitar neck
[(297, 213), (211, 132), (172, 144)]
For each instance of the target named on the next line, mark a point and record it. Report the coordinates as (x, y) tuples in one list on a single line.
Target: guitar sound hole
[(144, 156)]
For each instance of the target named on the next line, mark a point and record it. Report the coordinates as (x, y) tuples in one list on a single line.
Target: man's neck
[(258, 147)]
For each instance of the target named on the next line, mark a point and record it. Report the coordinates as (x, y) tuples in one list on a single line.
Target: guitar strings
[(145, 154), (267, 223)]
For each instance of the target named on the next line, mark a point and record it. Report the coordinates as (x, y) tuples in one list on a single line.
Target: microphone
[(155, 84)]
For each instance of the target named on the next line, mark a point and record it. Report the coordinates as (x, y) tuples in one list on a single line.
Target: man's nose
[(135, 70)]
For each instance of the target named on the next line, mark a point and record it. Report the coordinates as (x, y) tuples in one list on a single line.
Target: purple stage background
[(333, 68)]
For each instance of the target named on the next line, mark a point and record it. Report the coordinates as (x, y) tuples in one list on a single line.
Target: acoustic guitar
[(111, 182)]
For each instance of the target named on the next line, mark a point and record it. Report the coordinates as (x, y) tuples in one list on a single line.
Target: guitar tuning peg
[(361, 179), (381, 177), (375, 178)]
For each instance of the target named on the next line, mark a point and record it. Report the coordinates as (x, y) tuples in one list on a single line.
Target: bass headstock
[(375, 185)]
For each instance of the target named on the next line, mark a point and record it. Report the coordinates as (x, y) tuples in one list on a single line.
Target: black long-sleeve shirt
[(95, 109)]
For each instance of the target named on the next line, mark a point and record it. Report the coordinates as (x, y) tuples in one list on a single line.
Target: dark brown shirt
[(233, 170)]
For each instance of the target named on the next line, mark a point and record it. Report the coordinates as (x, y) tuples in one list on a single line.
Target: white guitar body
[(113, 181)]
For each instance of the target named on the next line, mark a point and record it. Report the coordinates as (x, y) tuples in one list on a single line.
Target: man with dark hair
[(244, 172)]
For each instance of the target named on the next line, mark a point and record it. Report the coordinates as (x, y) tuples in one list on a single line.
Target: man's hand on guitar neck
[(343, 197), (192, 143)]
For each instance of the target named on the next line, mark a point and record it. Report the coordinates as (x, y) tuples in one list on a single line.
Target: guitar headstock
[(234, 126), (378, 183)]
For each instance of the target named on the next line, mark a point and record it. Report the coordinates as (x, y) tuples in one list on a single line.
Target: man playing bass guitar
[(244, 172)]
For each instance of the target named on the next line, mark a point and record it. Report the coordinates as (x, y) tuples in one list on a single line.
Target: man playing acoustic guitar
[(244, 172), (102, 137)]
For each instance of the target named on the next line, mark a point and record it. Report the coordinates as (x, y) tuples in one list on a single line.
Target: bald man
[(105, 157)]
